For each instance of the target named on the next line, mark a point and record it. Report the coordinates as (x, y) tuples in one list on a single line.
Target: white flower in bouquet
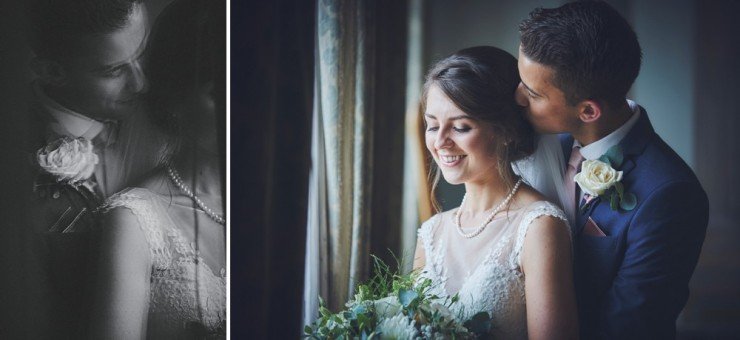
[(68, 159), (398, 327), (441, 309), (388, 306)]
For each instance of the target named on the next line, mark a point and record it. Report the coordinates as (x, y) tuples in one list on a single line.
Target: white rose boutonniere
[(600, 178), (69, 160), (596, 177)]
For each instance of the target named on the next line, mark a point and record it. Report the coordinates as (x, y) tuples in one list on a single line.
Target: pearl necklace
[(175, 177), (490, 217)]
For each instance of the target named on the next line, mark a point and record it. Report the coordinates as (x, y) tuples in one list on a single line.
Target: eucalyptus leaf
[(629, 201), (614, 200), (620, 189), (407, 296), (615, 155), (359, 309), (605, 159)]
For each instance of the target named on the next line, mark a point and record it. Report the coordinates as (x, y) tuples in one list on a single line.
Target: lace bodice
[(485, 271), (186, 296)]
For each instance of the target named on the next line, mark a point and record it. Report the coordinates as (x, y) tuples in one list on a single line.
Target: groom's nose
[(520, 96)]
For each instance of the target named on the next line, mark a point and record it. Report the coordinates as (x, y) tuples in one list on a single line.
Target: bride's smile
[(460, 144), (451, 161)]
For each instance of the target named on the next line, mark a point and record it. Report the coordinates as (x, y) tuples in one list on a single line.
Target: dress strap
[(540, 208), (140, 203)]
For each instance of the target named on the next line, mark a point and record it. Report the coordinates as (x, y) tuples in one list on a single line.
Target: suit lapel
[(632, 145)]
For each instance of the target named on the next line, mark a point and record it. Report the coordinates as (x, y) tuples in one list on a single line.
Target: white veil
[(544, 170)]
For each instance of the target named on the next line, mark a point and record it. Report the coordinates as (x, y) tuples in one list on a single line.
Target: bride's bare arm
[(122, 287), (419, 261), (547, 263)]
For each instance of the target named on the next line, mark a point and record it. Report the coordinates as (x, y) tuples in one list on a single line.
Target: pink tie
[(570, 185)]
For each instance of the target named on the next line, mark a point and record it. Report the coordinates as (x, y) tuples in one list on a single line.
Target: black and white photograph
[(369, 169), (114, 178)]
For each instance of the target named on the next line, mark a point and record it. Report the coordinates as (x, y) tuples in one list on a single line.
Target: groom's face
[(105, 78), (544, 103)]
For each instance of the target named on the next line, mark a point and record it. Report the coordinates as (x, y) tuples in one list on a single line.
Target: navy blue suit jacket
[(633, 283)]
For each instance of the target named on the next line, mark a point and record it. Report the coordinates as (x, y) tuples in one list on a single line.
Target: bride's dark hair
[(185, 54), (481, 81)]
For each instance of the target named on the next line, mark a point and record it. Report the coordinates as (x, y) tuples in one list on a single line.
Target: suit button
[(56, 194)]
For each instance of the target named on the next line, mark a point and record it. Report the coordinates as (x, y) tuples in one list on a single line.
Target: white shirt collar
[(599, 147), (65, 121)]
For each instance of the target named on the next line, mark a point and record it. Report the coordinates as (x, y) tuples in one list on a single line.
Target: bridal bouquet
[(394, 306)]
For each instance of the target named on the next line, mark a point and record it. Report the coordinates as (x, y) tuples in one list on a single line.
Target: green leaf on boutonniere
[(615, 156), (604, 158), (614, 200), (628, 202), (620, 189)]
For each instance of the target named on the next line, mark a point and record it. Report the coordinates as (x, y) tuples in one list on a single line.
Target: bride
[(161, 273), (506, 249)]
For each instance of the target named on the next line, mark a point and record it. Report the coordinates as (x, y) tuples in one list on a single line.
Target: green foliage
[(616, 195), (628, 202), (614, 156), (430, 313)]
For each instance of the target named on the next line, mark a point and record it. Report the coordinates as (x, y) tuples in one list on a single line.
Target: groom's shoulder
[(660, 169), (660, 160)]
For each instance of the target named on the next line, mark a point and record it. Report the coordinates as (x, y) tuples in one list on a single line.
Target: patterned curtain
[(344, 73), (357, 149)]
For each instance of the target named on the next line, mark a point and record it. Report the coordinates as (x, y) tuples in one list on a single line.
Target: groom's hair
[(54, 26), (591, 48)]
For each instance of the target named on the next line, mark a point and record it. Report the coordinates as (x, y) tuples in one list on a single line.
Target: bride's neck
[(484, 195), (200, 168)]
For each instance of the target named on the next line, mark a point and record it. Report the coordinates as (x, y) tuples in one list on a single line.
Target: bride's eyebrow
[(431, 116)]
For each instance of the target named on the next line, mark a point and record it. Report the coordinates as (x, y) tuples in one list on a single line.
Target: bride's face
[(461, 145)]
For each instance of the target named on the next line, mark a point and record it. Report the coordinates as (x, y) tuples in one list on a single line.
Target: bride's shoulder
[(531, 200), (433, 222), (439, 216)]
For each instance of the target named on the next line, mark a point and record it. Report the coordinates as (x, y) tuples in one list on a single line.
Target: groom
[(635, 248), (89, 85)]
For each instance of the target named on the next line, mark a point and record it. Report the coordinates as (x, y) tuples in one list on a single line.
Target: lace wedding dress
[(186, 297), (485, 271)]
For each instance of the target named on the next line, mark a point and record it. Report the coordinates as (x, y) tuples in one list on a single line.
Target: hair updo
[(481, 81)]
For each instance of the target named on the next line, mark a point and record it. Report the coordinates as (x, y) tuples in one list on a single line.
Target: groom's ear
[(49, 71), (589, 111)]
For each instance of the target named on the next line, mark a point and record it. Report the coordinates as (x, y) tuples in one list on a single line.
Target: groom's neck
[(612, 118)]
